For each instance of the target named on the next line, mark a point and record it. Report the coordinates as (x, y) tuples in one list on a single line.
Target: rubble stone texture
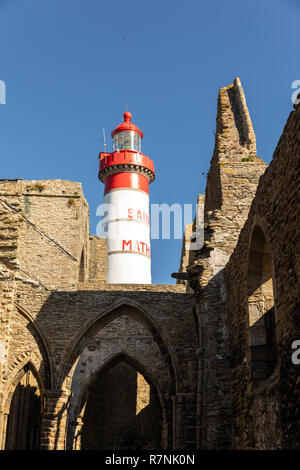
[(204, 363)]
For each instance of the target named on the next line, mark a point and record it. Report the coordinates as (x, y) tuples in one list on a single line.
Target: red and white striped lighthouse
[(126, 174)]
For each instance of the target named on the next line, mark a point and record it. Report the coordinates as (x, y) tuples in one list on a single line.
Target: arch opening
[(24, 418), (261, 309), (136, 313), (82, 267), (121, 411)]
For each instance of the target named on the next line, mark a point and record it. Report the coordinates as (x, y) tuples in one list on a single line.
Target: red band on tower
[(126, 180)]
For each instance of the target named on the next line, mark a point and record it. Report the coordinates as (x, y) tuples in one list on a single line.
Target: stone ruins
[(205, 363)]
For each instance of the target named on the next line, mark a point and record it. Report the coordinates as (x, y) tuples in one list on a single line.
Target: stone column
[(184, 427), (3, 426), (177, 423), (77, 435), (165, 434), (54, 419)]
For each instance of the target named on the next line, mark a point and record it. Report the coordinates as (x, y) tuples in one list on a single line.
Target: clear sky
[(71, 67)]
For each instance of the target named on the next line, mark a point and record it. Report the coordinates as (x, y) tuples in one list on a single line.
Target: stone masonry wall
[(61, 321), (193, 239), (97, 258), (231, 184), (111, 418), (52, 330), (269, 417), (53, 228), (46, 254), (9, 224), (43, 227)]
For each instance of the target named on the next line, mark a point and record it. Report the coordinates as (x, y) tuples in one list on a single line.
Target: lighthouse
[(126, 174)]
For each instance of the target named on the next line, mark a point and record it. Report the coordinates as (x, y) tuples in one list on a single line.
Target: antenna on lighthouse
[(126, 105), (104, 141)]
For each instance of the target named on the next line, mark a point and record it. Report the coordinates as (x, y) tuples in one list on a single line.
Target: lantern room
[(127, 135)]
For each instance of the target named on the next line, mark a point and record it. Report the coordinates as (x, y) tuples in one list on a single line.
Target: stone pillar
[(184, 421), (177, 423), (76, 445), (76, 434), (54, 419), (3, 426), (164, 435)]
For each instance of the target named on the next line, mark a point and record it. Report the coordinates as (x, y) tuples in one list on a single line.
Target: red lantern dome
[(127, 125)]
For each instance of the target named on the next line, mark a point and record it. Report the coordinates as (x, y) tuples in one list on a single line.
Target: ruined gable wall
[(234, 143), (232, 181), (268, 418)]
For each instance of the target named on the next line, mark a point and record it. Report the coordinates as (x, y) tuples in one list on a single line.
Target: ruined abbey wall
[(70, 336), (246, 284), (267, 416), (62, 324), (231, 184), (204, 363), (50, 220)]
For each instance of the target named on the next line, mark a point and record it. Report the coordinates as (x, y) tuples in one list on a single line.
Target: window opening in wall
[(261, 309)]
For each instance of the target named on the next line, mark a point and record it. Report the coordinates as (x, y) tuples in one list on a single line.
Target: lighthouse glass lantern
[(127, 140), (126, 174)]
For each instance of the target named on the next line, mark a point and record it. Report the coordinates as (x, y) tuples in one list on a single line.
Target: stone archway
[(23, 421), (123, 337), (136, 312), (122, 410)]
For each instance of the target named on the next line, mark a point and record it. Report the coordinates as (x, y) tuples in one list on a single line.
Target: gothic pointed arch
[(261, 307), (121, 409), (82, 265), (41, 340), (122, 332), (136, 312), (23, 410)]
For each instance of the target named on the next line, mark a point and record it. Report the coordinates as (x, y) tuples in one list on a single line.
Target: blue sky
[(71, 67)]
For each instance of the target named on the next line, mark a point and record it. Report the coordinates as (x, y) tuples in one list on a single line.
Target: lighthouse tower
[(126, 174)]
